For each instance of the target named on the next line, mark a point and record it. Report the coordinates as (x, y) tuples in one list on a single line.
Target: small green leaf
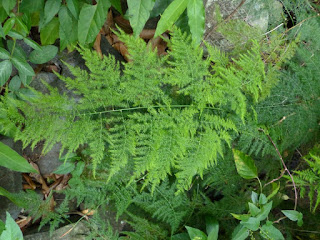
[(245, 165), (44, 55), (240, 233), (15, 35), (2, 32), (91, 19), (65, 168), (12, 160), (4, 54), (8, 5), (22, 66), (254, 197), (31, 6), (196, 233), (252, 223), (8, 25), (262, 199), (294, 215), (51, 8), (32, 43), (268, 231), (26, 80), (212, 227), (18, 51), (265, 210), (15, 83), (275, 189), (5, 71), (254, 210), (73, 6), (21, 26), (68, 29), (196, 16), (170, 15), (50, 33), (12, 230), (139, 12), (243, 217)]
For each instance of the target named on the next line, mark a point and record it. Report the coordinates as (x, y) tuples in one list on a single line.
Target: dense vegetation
[(183, 146)]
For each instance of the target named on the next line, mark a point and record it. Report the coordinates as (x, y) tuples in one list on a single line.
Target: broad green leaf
[(18, 51), (254, 210), (245, 165), (196, 15), (8, 5), (8, 25), (252, 223), (65, 168), (22, 66), (196, 233), (91, 19), (182, 22), (15, 35), (139, 12), (1, 32), (10, 196), (294, 215), (254, 197), (170, 15), (50, 33), (5, 71), (212, 227), (240, 233), (15, 83), (21, 26), (265, 210), (117, 5), (3, 14), (262, 199), (268, 231), (32, 43), (51, 8), (159, 7), (27, 6), (73, 6), (44, 55), (12, 160), (68, 29), (4, 54), (12, 230)]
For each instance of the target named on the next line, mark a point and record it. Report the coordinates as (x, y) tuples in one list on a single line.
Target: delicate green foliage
[(12, 230), (12, 160)]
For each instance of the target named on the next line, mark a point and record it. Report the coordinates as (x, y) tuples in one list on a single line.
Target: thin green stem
[(13, 47), (260, 184)]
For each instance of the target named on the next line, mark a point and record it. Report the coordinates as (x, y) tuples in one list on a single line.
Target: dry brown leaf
[(96, 45)]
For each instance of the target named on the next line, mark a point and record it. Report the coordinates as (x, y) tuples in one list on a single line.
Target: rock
[(12, 182), (79, 232)]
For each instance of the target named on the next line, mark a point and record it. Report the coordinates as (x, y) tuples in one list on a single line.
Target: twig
[(285, 169), (276, 179)]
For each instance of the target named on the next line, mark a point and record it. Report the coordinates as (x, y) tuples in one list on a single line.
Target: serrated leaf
[(254, 210), (44, 55), (51, 8), (4, 54), (68, 29), (240, 233), (8, 25), (65, 168), (32, 43), (196, 16), (252, 223), (73, 6), (212, 228), (15, 83), (91, 19), (12, 230), (245, 165), (265, 210), (5, 71), (195, 233), (12, 160), (139, 13), (22, 66), (170, 15), (270, 232), (50, 33), (31, 6), (8, 5), (18, 51)]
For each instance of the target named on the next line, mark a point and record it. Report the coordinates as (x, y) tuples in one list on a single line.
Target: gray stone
[(76, 231), (12, 182)]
